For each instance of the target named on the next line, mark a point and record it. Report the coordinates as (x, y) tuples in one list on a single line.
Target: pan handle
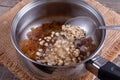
[(105, 70)]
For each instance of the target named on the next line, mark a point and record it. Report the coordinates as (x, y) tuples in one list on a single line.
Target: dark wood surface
[(5, 5)]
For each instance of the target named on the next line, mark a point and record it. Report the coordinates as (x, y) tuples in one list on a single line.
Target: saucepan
[(41, 11)]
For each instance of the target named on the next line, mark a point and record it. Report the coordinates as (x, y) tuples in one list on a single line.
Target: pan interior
[(54, 11)]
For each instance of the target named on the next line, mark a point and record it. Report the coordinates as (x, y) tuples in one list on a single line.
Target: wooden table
[(5, 5)]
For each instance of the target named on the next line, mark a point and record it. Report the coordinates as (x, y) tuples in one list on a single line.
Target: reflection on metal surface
[(94, 64)]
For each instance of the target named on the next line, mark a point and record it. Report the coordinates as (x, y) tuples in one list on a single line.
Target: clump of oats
[(62, 51), (73, 32)]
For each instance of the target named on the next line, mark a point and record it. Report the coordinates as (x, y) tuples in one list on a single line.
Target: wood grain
[(113, 4), (5, 5)]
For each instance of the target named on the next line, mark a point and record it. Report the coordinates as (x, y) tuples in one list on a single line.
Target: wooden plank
[(3, 9), (5, 5), (9, 3), (113, 4)]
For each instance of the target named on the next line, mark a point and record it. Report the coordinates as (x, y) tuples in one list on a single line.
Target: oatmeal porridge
[(57, 45)]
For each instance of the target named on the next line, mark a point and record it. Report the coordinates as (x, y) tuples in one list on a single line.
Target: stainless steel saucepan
[(38, 12)]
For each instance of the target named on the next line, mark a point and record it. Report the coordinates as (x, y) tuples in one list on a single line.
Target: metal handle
[(114, 27), (104, 69)]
